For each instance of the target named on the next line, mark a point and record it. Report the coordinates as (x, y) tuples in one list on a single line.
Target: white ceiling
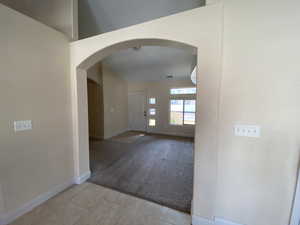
[(100, 16), (152, 63), (148, 63)]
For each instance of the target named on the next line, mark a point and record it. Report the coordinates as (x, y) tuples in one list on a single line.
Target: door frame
[(144, 93), (89, 80), (87, 52)]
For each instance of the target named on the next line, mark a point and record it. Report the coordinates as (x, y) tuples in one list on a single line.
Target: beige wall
[(246, 180), (34, 85), (161, 91), (207, 38), (115, 103), (2, 209), (261, 85), (62, 15)]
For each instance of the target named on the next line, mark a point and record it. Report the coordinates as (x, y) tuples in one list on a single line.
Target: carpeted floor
[(128, 137), (158, 168)]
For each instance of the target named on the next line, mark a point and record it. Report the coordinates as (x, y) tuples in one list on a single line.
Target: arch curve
[(102, 53), (179, 31)]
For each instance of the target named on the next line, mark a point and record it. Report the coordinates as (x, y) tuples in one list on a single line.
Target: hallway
[(157, 168)]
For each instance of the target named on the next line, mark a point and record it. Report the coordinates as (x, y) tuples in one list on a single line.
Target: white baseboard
[(196, 220), (220, 221), (116, 133), (171, 134), (83, 178), (177, 134), (27, 207)]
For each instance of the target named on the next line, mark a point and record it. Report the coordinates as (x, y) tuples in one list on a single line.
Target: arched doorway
[(203, 38), (149, 161), (81, 76)]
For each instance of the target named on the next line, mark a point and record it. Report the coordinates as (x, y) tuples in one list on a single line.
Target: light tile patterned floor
[(90, 204)]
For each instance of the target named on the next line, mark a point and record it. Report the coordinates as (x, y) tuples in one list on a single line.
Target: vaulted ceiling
[(100, 16), (147, 63)]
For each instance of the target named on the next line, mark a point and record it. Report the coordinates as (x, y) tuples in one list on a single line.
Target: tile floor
[(91, 204)]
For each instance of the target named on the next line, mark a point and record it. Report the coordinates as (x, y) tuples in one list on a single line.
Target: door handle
[(145, 113)]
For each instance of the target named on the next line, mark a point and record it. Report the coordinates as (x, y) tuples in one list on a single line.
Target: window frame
[(176, 111), (154, 119), (183, 97), (180, 94), (149, 116), (149, 111), (149, 101), (183, 112)]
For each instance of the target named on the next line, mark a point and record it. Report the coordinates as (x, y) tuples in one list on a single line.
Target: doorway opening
[(143, 142), (95, 109)]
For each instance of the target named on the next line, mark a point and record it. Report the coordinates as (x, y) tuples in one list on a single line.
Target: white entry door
[(137, 111)]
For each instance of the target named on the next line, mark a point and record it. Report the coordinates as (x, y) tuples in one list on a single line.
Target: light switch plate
[(22, 125), (247, 130)]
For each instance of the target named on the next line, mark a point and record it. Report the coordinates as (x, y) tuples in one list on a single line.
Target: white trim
[(197, 220), (83, 178), (74, 19), (116, 133), (295, 218), (27, 207), (212, 2), (219, 221), (172, 133)]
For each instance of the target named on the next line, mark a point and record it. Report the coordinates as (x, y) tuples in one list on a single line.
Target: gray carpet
[(155, 167), (128, 137)]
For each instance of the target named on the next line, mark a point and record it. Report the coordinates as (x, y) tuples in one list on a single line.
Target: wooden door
[(95, 109)]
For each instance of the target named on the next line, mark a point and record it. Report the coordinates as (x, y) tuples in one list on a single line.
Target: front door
[(137, 111)]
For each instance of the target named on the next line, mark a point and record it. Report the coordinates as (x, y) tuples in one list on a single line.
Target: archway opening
[(178, 108)]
